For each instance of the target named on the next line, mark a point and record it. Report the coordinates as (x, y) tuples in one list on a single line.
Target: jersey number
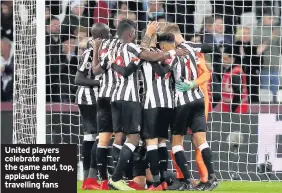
[(119, 61)]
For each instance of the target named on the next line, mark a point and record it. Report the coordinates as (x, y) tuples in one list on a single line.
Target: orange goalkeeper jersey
[(202, 80)]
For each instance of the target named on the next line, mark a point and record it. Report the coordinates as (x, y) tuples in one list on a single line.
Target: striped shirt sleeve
[(85, 61), (134, 49), (195, 46)]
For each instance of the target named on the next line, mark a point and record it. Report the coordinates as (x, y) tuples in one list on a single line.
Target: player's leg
[(198, 128), (164, 121), (105, 129), (140, 165), (203, 172), (117, 145), (179, 129), (150, 135), (117, 128), (130, 122), (198, 156), (87, 144), (88, 113)]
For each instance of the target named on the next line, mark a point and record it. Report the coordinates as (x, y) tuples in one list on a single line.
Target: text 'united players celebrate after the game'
[(112, 106)]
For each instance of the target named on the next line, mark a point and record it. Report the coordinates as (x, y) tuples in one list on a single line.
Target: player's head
[(166, 41), (126, 30), (100, 30)]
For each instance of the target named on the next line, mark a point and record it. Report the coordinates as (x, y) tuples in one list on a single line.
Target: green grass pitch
[(223, 187)]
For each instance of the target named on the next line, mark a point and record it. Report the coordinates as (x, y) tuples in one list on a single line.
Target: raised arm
[(152, 28), (96, 68)]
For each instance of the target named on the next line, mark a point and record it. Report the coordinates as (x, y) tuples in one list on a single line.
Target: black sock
[(163, 156), (128, 173), (125, 156), (149, 183), (207, 157), (182, 164), (153, 159), (102, 161), (93, 165), (115, 153), (86, 154)]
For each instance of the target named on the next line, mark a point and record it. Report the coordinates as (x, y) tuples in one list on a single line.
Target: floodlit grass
[(224, 187)]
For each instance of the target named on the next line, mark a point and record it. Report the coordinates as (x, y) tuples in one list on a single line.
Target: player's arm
[(158, 56), (152, 28), (205, 76), (199, 47), (96, 68), (126, 71), (81, 80), (165, 67), (160, 69), (236, 86), (82, 72)]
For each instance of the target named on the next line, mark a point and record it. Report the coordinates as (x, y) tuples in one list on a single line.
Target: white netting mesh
[(239, 150), (24, 106)]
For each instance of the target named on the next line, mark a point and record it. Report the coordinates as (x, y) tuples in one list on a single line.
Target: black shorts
[(156, 123), (190, 115), (140, 164), (126, 116), (89, 118), (104, 115)]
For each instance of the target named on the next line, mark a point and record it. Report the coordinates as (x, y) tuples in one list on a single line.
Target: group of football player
[(114, 113)]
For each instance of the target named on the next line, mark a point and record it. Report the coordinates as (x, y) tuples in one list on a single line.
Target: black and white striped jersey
[(86, 95), (186, 69), (158, 90), (108, 79), (127, 88)]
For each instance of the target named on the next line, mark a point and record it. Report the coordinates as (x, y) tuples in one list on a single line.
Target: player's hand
[(185, 86), (96, 43), (152, 27), (182, 86), (181, 52)]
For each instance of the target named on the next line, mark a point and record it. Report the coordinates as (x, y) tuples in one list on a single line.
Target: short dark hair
[(125, 25), (218, 17), (100, 30), (167, 37)]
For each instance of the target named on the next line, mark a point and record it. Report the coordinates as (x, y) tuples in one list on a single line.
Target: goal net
[(246, 146)]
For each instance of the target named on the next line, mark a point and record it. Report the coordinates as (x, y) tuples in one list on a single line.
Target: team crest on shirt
[(88, 65), (168, 60), (119, 61), (103, 52)]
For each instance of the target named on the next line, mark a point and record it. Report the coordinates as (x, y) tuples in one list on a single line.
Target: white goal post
[(49, 37), (29, 105)]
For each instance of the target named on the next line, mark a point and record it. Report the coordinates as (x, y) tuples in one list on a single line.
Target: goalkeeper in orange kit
[(203, 83)]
